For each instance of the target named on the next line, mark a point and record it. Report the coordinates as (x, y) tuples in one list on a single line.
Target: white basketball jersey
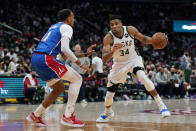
[(128, 51)]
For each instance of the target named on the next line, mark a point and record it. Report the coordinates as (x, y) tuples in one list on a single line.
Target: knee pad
[(135, 69), (114, 87)]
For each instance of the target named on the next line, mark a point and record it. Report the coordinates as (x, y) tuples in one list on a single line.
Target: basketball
[(159, 40)]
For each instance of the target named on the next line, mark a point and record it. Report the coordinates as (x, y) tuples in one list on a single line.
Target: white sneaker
[(165, 112), (105, 118), (84, 101)]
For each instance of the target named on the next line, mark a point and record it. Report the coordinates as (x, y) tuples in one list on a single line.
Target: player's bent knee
[(135, 69), (80, 78), (77, 77)]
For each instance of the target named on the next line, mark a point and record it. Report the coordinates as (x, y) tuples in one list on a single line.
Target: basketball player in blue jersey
[(119, 45), (53, 71)]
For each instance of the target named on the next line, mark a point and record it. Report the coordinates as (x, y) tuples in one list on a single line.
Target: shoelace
[(73, 117), (40, 120)]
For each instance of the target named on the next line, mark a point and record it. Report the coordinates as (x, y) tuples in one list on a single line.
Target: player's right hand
[(85, 67), (116, 46)]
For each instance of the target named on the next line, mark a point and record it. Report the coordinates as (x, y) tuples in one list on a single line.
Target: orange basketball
[(159, 40)]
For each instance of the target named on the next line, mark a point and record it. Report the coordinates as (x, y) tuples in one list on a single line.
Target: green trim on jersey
[(137, 51), (129, 33), (112, 38)]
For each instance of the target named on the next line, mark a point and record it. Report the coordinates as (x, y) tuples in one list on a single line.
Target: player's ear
[(121, 24), (69, 19)]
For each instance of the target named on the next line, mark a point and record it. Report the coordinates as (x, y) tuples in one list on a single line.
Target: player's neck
[(119, 34), (66, 22)]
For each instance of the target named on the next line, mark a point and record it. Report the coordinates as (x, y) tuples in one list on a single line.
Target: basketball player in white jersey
[(119, 45)]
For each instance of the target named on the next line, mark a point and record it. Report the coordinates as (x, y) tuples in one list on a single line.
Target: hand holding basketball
[(159, 40)]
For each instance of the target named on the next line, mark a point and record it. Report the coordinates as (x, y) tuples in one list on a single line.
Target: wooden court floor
[(133, 115)]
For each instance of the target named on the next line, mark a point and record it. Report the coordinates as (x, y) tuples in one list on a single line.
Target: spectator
[(97, 64), (185, 62), (173, 84), (96, 87), (9, 66), (181, 84), (30, 85), (12, 55), (161, 79)]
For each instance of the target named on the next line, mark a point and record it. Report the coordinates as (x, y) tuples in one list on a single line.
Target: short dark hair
[(113, 17), (94, 54), (63, 14)]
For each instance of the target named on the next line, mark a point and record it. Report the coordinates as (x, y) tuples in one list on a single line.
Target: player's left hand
[(90, 49)]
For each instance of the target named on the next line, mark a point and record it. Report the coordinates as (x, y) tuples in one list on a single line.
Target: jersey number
[(123, 53), (46, 36)]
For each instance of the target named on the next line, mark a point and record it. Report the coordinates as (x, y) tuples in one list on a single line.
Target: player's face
[(116, 26), (71, 19)]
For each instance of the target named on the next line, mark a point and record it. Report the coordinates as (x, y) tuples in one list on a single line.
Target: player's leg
[(108, 112), (118, 77), (74, 88), (151, 89), (58, 88), (48, 69)]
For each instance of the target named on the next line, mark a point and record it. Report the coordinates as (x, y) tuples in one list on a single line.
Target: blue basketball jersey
[(50, 42)]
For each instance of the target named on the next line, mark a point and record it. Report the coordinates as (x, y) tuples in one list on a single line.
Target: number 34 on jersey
[(125, 49)]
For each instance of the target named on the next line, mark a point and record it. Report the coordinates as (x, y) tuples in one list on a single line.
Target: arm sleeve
[(66, 30), (66, 34)]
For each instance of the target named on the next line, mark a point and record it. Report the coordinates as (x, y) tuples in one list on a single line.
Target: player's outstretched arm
[(144, 39)]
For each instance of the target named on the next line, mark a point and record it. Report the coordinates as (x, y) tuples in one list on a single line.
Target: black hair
[(113, 17), (6, 58), (63, 14), (94, 54)]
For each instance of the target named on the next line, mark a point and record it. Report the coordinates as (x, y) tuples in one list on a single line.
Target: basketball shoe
[(71, 121), (105, 118), (164, 111), (37, 120)]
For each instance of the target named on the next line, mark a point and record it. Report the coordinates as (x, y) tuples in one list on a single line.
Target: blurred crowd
[(170, 69)]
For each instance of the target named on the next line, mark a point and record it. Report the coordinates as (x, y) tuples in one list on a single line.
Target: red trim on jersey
[(57, 67)]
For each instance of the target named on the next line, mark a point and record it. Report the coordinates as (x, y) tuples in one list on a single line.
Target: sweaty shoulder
[(132, 30), (66, 30), (108, 39)]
